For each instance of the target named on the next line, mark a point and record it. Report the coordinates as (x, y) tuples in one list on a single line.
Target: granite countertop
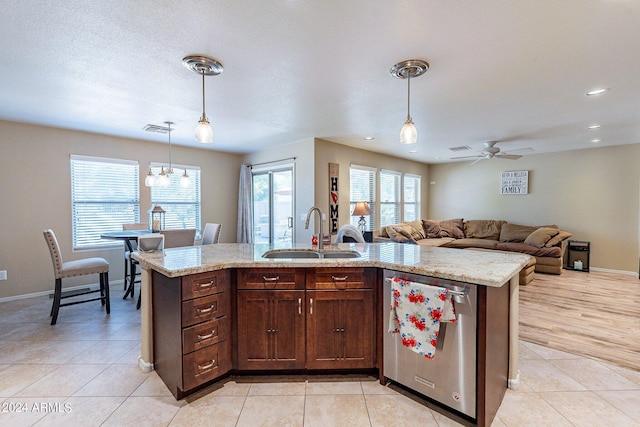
[(488, 268)]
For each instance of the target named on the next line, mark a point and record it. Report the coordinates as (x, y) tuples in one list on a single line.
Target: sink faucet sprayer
[(306, 225)]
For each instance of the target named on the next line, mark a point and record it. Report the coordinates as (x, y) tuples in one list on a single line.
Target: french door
[(273, 205)]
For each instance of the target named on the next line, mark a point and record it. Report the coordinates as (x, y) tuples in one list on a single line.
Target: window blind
[(181, 204), (362, 183), (389, 197), (411, 197), (104, 195)]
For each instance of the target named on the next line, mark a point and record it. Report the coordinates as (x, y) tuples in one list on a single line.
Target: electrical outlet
[(3, 274)]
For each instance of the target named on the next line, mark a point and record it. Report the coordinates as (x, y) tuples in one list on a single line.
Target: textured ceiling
[(511, 71)]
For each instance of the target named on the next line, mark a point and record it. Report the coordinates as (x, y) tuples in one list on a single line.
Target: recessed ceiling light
[(596, 126), (413, 151), (369, 138), (598, 91), (595, 141)]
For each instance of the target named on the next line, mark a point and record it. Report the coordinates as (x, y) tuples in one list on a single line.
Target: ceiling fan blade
[(509, 156), (467, 157), (522, 150), (476, 161)]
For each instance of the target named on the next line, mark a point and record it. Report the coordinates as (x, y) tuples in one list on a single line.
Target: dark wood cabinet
[(340, 320), (271, 319), (191, 329)]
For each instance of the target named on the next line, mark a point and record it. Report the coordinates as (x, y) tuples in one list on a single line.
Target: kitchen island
[(234, 279)]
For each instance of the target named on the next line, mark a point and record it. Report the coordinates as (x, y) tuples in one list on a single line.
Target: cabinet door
[(340, 329), (271, 329)]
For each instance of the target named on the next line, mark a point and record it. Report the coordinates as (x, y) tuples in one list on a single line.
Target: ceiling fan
[(491, 151)]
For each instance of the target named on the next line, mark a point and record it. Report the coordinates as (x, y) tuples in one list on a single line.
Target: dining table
[(128, 236)]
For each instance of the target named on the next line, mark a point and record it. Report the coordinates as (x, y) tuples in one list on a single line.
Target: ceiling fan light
[(409, 133), (204, 132)]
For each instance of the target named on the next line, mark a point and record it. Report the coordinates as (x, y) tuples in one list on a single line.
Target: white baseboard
[(145, 366), (607, 270), (514, 383)]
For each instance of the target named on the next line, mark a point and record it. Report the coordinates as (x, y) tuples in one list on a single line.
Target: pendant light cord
[(409, 96), (204, 116)]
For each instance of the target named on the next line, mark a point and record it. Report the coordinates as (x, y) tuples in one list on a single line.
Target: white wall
[(592, 193)]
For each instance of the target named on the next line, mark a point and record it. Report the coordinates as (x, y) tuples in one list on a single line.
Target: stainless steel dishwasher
[(450, 377)]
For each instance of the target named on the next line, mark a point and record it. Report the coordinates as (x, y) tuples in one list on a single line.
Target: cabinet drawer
[(205, 334), (204, 309), (271, 278), (340, 278), (204, 365), (203, 284)]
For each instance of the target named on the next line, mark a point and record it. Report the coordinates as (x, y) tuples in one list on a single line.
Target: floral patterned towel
[(416, 313)]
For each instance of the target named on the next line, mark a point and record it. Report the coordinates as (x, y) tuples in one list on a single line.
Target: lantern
[(156, 219)]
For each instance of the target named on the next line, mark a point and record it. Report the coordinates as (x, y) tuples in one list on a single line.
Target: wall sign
[(334, 170), (514, 182)]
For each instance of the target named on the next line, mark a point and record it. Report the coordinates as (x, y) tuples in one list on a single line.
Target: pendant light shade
[(406, 70), (204, 66)]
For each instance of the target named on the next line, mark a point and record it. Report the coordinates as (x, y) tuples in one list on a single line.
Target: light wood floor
[(592, 314)]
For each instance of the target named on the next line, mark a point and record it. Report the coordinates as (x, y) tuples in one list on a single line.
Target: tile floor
[(83, 372)]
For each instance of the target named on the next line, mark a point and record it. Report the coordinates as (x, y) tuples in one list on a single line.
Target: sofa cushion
[(406, 232), (554, 252), (472, 243), (518, 233), (561, 236), (483, 229), (541, 236), (431, 228), (441, 241), (452, 228)]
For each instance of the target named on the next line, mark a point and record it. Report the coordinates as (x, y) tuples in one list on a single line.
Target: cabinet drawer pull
[(205, 285), (206, 310), (206, 337), (208, 366), (299, 305), (310, 305), (339, 279), (270, 279)]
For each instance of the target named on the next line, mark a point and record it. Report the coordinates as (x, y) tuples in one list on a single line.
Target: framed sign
[(334, 173), (514, 182)]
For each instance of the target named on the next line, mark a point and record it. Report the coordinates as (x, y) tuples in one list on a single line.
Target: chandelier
[(163, 179)]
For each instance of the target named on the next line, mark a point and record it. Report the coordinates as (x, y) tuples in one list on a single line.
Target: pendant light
[(406, 70), (164, 177), (204, 66)]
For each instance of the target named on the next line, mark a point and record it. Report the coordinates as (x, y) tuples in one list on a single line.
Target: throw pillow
[(417, 230), (483, 229), (540, 237), (431, 229), (452, 228), (397, 236), (561, 236)]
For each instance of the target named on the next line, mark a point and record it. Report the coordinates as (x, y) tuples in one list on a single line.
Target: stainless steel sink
[(340, 254), (309, 253), (291, 253)]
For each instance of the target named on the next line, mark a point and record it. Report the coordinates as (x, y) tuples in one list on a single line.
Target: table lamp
[(361, 209)]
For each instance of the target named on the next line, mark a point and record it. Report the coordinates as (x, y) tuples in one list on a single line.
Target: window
[(104, 195), (411, 197), (181, 204), (362, 182), (389, 197)]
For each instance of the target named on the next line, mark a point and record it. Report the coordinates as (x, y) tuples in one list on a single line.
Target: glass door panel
[(273, 206)]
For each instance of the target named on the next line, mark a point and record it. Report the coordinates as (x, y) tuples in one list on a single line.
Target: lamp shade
[(204, 133), (361, 209), (409, 133)]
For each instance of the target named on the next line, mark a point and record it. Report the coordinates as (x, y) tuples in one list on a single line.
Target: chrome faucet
[(306, 225)]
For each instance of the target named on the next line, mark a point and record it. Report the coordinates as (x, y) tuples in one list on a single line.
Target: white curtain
[(245, 206)]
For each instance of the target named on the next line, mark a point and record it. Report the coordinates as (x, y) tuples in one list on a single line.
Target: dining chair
[(127, 247), (146, 243), (211, 234), (178, 238), (80, 267)]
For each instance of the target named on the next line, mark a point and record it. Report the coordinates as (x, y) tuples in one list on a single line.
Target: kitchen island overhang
[(488, 269)]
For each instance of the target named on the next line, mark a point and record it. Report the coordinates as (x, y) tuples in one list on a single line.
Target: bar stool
[(81, 267)]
